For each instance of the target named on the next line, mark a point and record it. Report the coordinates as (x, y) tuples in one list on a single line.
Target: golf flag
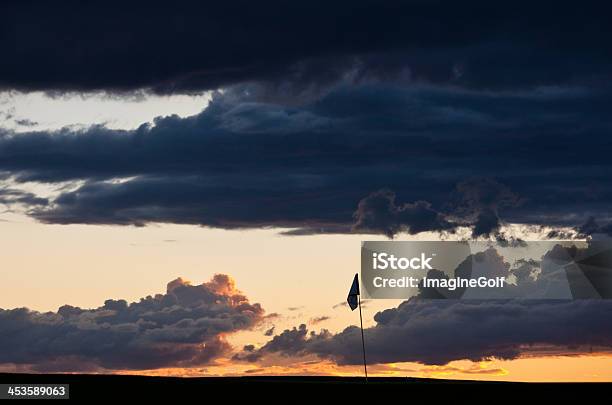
[(354, 302), (353, 293)]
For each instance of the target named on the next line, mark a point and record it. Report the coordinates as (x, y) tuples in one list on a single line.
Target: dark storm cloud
[(592, 227), (192, 46), (438, 332), (182, 327), (245, 163), (482, 198), (378, 213)]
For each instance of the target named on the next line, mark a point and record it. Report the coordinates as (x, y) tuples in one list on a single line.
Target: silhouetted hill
[(291, 389)]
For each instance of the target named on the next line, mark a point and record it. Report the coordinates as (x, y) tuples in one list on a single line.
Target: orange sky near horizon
[(592, 367)]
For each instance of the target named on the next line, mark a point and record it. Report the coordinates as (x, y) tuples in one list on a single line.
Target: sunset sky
[(184, 189)]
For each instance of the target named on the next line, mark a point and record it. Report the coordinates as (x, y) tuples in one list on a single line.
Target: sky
[(187, 192)]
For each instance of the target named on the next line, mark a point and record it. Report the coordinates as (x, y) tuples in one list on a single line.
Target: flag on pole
[(353, 293), (354, 302)]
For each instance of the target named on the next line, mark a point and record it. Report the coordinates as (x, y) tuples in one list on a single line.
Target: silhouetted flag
[(353, 293)]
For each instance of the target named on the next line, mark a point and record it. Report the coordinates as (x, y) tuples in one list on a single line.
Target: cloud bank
[(361, 158), (181, 328), (195, 46), (382, 129), (438, 332)]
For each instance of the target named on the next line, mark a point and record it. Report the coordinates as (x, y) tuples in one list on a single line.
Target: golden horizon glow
[(592, 367)]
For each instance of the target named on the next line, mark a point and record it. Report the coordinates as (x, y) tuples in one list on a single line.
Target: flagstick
[(365, 367)]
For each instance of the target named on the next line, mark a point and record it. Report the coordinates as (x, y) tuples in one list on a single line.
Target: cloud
[(291, 342), (435, 328), (364, 303), (315, 167), (209, 46), (482, 198), (10, 197), (26, 122), (378, 213), (474, 369), (318, 319), (248, 353), (438, 332), (183, 327), (592, 227)]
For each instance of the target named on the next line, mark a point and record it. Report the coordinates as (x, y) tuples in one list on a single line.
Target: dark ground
[(312, 389)]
